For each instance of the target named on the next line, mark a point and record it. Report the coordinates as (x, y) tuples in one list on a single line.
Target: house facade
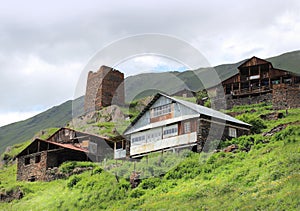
[(257, 76), (256, 82), (65, 144), (168, 123), (41, 155)]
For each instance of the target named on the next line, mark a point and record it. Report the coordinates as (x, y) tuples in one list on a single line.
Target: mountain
[(22, 131), (170, 82)]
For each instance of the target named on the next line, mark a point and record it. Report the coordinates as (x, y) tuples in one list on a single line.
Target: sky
[(44, 46)]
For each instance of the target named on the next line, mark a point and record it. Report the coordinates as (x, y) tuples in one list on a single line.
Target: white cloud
[(33, 83), (149, 63), (11, 117)]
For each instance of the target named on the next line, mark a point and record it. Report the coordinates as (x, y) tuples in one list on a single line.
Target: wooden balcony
[(251, 91)]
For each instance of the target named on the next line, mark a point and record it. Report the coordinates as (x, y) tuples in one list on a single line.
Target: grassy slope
[(18, 132), (266, 178)]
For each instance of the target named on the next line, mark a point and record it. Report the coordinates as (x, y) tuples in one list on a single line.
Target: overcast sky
[(45, 46)]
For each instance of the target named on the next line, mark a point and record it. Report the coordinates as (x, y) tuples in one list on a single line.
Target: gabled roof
[(84, 133), (66, 146), (202, 110), (257, 60)]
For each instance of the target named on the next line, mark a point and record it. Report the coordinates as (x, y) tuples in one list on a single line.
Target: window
[(37, 158), (232, 132), (138, 139), (169, 131), (161, 110), (187, 127), (27, 161)]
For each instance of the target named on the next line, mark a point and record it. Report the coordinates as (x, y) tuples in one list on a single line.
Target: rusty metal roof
[(67, 146)]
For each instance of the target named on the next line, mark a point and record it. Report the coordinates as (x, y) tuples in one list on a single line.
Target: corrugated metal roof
[(164, 122), (197, 108), (207, 111)]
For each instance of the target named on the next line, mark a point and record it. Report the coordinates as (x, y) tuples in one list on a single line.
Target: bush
[(97, 170), (256, 122), (69, 166), (73, 181), (136, 193), (150, 183)]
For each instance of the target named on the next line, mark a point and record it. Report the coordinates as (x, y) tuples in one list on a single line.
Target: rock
[(230, 148), (112, 113), (272, 116)]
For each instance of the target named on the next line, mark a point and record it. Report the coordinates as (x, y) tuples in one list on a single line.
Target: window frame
[(161, 110), (187, 125), (232, 132)]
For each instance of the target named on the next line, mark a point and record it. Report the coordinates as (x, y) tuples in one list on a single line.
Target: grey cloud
[(63, 33)]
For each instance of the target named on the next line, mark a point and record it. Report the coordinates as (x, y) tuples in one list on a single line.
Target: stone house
[(41, 155), (64, 145), (167, 123)]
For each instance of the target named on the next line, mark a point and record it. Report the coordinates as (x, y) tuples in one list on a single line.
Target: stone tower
[(104, 88)]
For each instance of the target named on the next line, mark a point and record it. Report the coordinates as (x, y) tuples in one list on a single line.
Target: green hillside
[(263, 174), (21, 131)]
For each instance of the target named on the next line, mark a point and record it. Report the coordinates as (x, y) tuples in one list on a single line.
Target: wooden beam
[(39, 145)]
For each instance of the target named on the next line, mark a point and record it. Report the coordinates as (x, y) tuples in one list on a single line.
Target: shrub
[(69, 166), (73, 181), (136, 193), (256, 122), (150, 183), (97, 170)]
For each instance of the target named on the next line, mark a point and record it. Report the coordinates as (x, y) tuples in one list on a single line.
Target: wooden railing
[(249, 91)]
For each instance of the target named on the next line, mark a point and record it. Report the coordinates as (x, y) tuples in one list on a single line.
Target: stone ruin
[(104, 88)]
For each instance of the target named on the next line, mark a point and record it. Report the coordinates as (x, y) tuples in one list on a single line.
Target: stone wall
[(286, 96), (282, 96), (209, 131), (230, 102), (33, 170), (104, 87)]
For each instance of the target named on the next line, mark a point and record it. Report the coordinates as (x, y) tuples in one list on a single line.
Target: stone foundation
[(231, 102), (283, 96), (286, 96)]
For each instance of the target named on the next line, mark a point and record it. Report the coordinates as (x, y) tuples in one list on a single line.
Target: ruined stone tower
[(103, 88)]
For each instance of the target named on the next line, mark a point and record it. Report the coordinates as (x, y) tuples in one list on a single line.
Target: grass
[(265, 178)]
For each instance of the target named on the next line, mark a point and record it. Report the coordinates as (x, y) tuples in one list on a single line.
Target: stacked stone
[(286, 96), (104, 88)]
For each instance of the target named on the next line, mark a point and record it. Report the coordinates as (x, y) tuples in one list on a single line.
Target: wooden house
[(257, 76), (98, 147), (64, 145), (169, 123)]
